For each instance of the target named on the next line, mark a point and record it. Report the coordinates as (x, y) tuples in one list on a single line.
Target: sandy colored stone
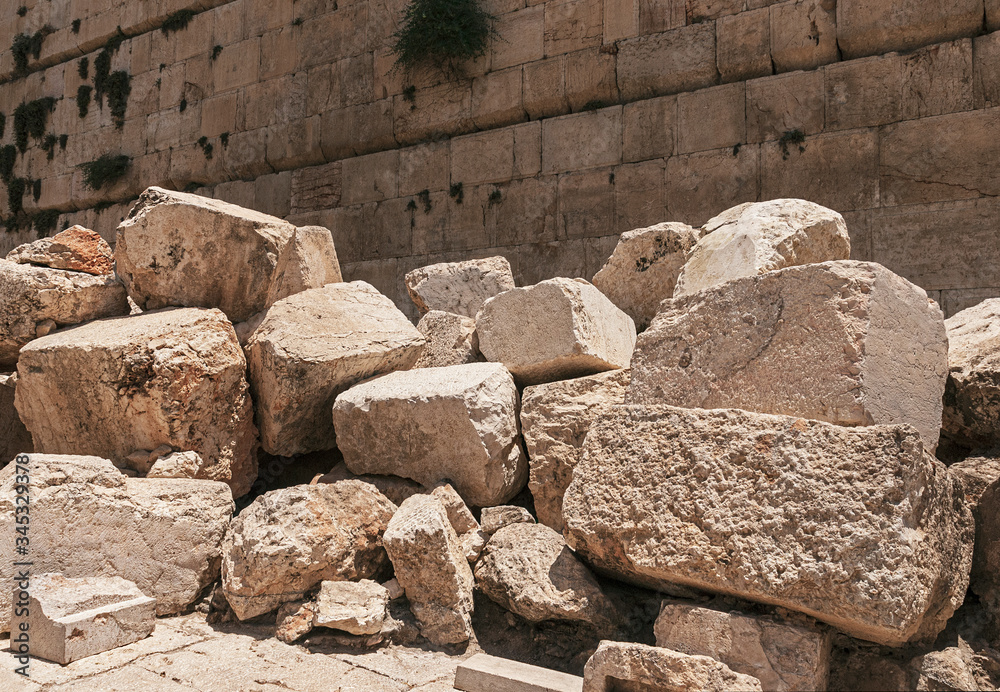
[(76, 249), (295, 620), (972, 394), (495, 518), (289, 540), (857, 527), (312, 346), (459, 287), (451, 340), (393, 487), (14, 437), (947, 669), (308, 261), (457, 423), (529, 570), (980, 481), (179, 249), (554, 330), (847, 342), (755, 238), (89, 520), (33, 297), (555, 418), (170, 377), (643, 269), (430, 566), (462, 520), (178, 465), (874, 28), (624, 665), (782, 655), (354, 607), (70, 618)]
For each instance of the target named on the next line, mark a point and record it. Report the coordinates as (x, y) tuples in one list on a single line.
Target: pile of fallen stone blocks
[(738, 417)]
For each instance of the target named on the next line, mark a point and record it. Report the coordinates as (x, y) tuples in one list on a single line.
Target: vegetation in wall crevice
[(442, 34), (105, 170), (31, 119)]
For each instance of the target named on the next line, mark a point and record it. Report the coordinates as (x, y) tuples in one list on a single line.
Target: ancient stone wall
[(586, 118)]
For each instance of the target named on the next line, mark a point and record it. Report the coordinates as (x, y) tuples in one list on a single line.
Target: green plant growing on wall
[(49, 145), (3, 124), (8, 155), (791, 137), (216, 51), (495, 198), (442, 34), (224, 140), (177, 21), (206, 147), (31, 119), (63, 141), (83, 93), (105, 170), (83, 67), (456, 193), (75, 26), (119, 86), (28, 45), (45, 221), (15, 195), (183, 105), (425, 198), (22, 10), (36, 189)]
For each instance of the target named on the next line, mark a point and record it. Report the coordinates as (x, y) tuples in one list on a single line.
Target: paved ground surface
[(186, 653)]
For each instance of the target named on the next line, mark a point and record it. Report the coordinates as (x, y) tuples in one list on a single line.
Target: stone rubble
[(76, 249), (972, 393), (451, 340), (354, 607), (14, 437), (495, 518), (459, 287)]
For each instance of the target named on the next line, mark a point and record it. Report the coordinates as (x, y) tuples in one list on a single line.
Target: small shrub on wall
[(442, 34)]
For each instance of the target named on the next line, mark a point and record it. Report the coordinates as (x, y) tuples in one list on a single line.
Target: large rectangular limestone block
[(846, 342), (865, 27), (667, 63), (312, 346), (485, 673), (582, 140), (857, 527), (456, 423)]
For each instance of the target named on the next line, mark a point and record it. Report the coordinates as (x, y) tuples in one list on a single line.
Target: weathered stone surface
[(555, 418), (462, 520), (554, 330), (459, 287), (178, 465), (289, 540), (760, 237), (483, 673), (451, 340), (972, 394), (295, 620), (643, 269), (495, 518), (782, 655), (88, 520), (170, 377), (36, 300), (70, 618), (184, 250), (14, 437), (308, 261), (980, 480), (850, 343), (865, 532), (947, 669), (873, 28), (393, 487), (76, 249), (431, 568), (354, 607), (623, 665), (457, 423), (312, 346), (529, 570)]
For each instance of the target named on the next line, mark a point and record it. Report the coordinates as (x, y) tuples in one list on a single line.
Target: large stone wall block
[(556, 329), (873, 28), (860, 528), (456, 423), (459, 287), (846, 342), (312, 346)]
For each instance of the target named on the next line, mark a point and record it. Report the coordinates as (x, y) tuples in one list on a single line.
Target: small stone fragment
[(138, 461), (431, 568), (76, 249), (623, 665), (71, 618), (972, 394), (643, 268), (309, 260), (458, 513), (459, 287), (354, 607), (451, 340), (45, 327), (14, 437), (295, 620), (495, 518), (945, 670), (759, 237), (394, 589), (393, 487), (177, 465), (555, 330)]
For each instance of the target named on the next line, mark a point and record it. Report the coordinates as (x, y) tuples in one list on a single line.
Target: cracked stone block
[(972, 394), (459, 287), (624, 665), (76, 249), (353, 607), (451, 340)]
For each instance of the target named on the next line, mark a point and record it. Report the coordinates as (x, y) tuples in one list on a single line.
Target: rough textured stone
[(35, 300), (980, 480), (308, 261), (312, 346), (554, 330), (289, 540), (76, 249), (431, 568), (457, 423), (782, 655), (354, 607), (70, 618), (947, 669), (864, 532), (393, 487), (451, 340), (846, 342), (622, 665), (555, 418), (14, 437), (459, 287), (88, 520), (170, 377), (178, 465), (483, 673), (181, 249), (495, 518), (755, 238), (529, 570), (295, 620), (643, 269), (972, 394), (873, 28)]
